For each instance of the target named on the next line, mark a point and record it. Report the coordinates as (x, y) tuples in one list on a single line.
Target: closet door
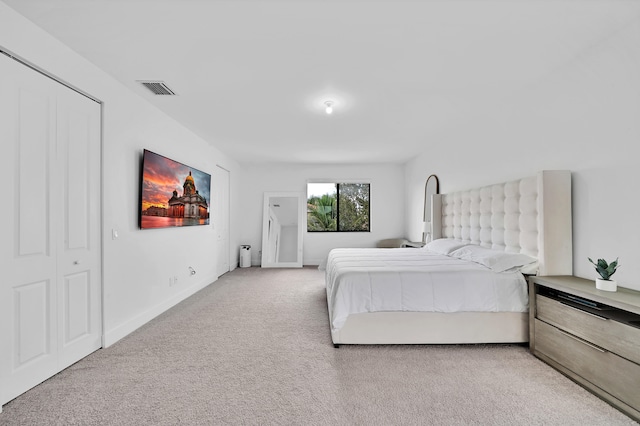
[(28, 291), (50, 249), (78, 244)]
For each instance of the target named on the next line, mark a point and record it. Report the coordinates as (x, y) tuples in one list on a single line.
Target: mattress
[(416, 280)]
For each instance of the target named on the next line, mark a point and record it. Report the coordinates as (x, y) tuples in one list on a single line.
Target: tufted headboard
[(530, 215)]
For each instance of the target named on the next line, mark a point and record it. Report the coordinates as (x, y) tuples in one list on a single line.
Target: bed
[(466, 286)]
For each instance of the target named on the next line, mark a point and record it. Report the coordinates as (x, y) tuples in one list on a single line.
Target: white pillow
[(496, 260), (444, 245)]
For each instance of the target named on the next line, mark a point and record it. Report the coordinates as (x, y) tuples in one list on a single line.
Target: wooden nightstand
[(414, 244), (591, 336)]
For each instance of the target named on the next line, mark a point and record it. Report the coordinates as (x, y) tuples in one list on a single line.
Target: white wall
[(585, 118), (386, 203), (138, 264)]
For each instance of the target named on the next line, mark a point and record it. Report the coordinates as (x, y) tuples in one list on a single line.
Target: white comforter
[(409, 279)]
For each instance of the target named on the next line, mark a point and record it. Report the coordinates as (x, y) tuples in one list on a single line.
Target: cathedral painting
[(172, 193), (191, 204)]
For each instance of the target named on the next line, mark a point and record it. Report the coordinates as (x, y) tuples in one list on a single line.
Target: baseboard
[(314, 262), (112, 336)]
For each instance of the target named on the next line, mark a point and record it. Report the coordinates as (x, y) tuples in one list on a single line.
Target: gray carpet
[(254, 348)]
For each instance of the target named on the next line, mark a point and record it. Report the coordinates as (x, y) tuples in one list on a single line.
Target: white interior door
[(28, 292), (50, 296), (221, 219), (79, 266)]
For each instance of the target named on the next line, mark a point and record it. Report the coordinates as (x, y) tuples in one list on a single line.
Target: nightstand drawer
[(606, 333), (611, 373)]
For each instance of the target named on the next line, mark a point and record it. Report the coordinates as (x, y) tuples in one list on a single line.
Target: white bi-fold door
[(50, 292)]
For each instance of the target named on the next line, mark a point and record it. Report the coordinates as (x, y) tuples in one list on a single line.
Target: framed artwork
[(172, 194)]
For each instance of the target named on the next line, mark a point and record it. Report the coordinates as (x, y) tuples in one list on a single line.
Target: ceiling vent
[(158, 87)]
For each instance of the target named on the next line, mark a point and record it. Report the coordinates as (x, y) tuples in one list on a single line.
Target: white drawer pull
[(597, 348), (584, 312)]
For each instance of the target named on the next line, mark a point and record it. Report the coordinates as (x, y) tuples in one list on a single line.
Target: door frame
[(227, 208)]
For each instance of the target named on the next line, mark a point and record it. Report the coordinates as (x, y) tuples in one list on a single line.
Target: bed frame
[(530, 215)]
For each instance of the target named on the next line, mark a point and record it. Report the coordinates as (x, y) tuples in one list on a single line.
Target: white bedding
[(409, 279)]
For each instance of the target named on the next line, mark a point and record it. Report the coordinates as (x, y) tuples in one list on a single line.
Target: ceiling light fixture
[(328, 107)]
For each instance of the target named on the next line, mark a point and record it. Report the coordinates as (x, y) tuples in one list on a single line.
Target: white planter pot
[(606, 285)]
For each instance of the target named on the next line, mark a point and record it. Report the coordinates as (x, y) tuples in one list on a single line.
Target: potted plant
[(606, 270)]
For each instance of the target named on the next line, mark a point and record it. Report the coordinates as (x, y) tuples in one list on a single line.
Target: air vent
[(158, 88)]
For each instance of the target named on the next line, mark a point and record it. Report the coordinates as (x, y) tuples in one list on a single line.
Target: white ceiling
[(251, 76)]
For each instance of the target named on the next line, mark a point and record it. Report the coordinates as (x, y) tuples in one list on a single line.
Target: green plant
[(321, 213), (605, 270)]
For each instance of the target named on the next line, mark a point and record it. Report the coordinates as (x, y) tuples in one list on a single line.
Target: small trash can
[(245, 256)]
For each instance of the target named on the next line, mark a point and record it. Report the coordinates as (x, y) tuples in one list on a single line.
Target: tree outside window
[(338, 207)]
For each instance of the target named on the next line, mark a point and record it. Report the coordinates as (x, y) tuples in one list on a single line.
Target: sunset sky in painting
[(161, 176)]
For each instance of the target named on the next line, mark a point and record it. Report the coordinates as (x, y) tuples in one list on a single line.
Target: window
[(338, 207)]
